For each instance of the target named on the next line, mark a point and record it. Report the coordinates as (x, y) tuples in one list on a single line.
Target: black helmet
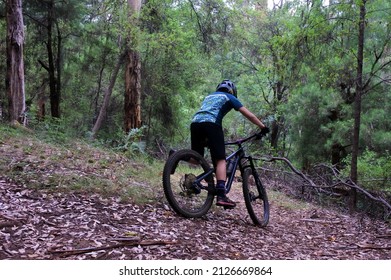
[(227, 86)]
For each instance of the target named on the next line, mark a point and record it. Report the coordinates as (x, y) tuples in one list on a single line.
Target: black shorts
[(207, 134)]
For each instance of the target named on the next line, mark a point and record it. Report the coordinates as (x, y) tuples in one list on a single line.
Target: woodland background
[(129, 75)]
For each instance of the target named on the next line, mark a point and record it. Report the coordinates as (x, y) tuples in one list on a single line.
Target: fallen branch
[(364, 246), (124, 243), (126, 239), (296, 171), (373, 247), (380, 199), (383, 236), (9, 224), (348, 183), (9, 218), (6, 250), (321, 221)]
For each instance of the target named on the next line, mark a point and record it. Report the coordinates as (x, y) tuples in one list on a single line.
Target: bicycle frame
[(238, 155)]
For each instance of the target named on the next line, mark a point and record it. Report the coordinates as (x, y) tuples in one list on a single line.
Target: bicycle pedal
[(228, 207)]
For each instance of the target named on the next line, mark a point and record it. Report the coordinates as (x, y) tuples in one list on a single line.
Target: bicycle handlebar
[(258, 135)]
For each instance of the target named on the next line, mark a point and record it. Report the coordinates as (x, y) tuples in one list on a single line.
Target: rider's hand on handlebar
[(263, 132)]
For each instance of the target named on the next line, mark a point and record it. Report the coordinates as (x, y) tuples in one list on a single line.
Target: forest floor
[(38, 224)]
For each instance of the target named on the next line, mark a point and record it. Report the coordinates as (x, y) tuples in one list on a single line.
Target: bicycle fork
[(257, 180)]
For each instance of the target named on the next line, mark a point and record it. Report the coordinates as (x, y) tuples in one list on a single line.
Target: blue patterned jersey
[(215, 106)]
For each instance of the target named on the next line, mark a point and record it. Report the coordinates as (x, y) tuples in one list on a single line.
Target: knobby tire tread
[(170, 163), (258, 220)]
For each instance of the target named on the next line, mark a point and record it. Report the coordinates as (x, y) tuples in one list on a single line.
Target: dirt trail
[(42, 225)]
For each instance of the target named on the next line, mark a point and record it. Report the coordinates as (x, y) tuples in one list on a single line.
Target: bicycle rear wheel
[(184, 196), (255, 197)]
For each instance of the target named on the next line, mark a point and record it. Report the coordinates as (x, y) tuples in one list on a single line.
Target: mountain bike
[(189, 182)]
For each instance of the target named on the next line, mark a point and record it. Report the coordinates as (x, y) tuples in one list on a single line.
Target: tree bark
[(54, 89), (53, 65), (357, 103), (15, 63), (132, 103), (132, 98)]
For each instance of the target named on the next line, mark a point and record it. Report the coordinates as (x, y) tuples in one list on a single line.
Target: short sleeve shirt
[(215, 106)]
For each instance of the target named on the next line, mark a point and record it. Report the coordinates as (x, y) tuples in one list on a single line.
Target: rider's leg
[(215, 140), (221, 170), (221, 176)]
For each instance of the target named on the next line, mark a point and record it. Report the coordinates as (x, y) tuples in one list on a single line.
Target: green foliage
[(54, 130), (174, 72), (374, 171), (376, 124), (306, 119), (7, 131), (132, 142)]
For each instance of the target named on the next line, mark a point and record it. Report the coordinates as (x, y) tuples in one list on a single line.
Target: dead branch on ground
[(123, 242), (339, 181)]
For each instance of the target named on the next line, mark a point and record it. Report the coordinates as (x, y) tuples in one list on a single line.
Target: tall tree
[(132, 100), (15, 63), (45, 16), (357, 101), (106, 98), (51, 22)]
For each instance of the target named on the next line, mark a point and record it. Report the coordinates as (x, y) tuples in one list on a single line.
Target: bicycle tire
[(178, 175), (255, 198)]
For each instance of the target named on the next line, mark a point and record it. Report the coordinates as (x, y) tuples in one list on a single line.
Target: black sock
[(220, 188)]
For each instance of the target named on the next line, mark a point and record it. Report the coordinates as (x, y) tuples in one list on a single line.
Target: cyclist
[(206, 130)]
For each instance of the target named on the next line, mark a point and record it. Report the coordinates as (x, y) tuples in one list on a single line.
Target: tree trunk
[(106, 98), (279, 92), (357, 103), (15, 63), (54, 94), (53, 67), (132, 99), (274, 134), (58, 65)]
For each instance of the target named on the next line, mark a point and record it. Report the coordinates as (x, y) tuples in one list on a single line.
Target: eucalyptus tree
[(15, 62), (110, 27), (132, 102)]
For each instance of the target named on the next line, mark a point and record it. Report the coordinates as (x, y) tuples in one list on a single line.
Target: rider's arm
[(251, 117)]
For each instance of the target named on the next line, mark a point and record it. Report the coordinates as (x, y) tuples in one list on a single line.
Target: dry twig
[(321, 221), (125, 243)]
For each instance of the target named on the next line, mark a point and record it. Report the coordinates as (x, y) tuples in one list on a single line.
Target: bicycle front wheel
[(255, 197), (180, 172)]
